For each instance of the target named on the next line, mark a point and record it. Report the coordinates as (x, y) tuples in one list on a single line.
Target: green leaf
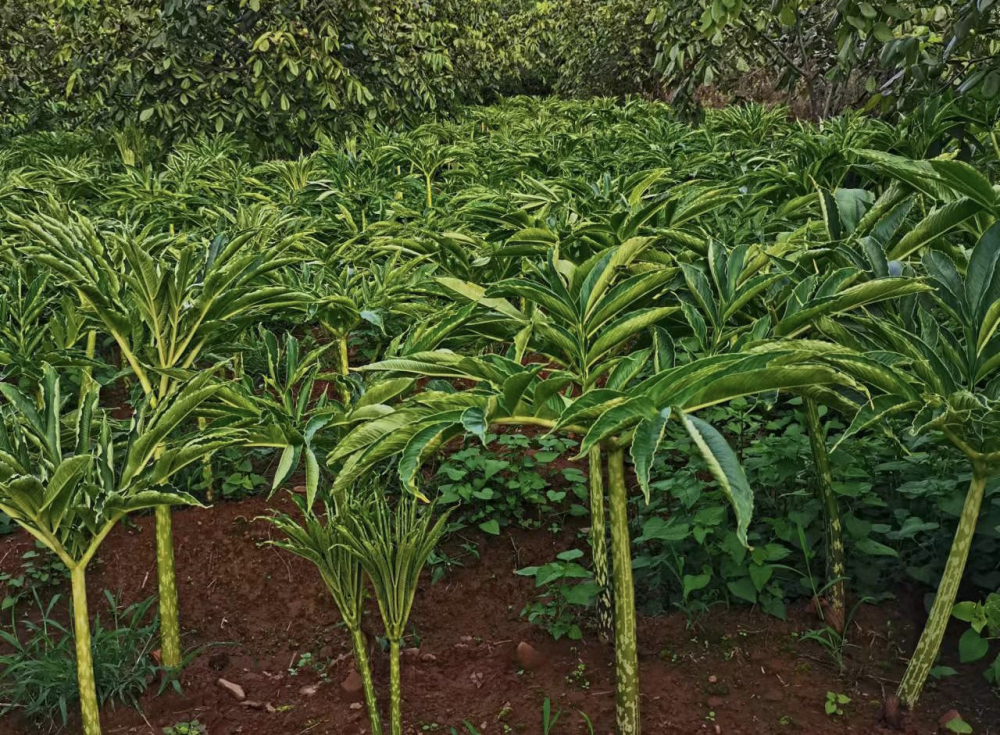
[(874, 548), (972, 646), (491, 527), (863, 294), (744, 589), (941, 672), (420, 445), (288, 459), (658, 529), (933, 226), (493, 466), (474, 422), (645, 441), (761, 575), (725, 467), (695, 582), (513, 389), (981, 289), (615, 419), (625, 327), (966, 180), (312, 477), (65, 478), (383, 391)]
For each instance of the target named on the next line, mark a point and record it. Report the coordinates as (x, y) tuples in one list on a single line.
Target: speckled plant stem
[(395, 691), (626, 650), (365, 671), (170, 626), (834, 531), (89, 710), (930, 640), (599, 546)]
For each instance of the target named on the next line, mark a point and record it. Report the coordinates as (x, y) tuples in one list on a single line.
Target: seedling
[(192, 727), (834, 704)]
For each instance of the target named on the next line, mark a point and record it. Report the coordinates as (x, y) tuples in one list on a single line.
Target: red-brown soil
[(740, 672)]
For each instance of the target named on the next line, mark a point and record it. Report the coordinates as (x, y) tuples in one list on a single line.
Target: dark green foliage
[(503, 485), (279, 72), (285, 73)]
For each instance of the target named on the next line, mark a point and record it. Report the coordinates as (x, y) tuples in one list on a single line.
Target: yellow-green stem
[(170, 626), (834, 532), (626, 648), (89, 711), (395, 691), (206, 466), (368, 686), (929, 644), (599, 545), (344, 369)]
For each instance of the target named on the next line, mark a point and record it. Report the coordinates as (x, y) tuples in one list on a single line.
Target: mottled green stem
[(170, 626), (626, 648), (365, 671), (395, 691), (344, 368), (206, 466), (599, 545), (930, 640), (89, 711), (835, 569)]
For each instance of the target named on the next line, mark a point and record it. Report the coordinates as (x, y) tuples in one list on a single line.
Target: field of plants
[(549, 417)]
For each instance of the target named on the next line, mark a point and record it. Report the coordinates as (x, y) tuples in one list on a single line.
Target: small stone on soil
[(309, 690), (235, 689), (528, 656), (253, 704), (428, 658), (353, 683)]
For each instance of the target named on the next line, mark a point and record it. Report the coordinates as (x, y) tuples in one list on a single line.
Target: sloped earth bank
[(740, 672)]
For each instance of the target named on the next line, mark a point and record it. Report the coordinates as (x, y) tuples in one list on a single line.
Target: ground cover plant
[(740, 368)]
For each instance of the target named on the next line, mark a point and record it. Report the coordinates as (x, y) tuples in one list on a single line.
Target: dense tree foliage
[(283, 72)]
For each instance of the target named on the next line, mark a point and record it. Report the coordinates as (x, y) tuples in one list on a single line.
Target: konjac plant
[(391, 545), (631, 416), (68, 475), (945, 348), (939, 350), (317, 537), (165, 300)]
